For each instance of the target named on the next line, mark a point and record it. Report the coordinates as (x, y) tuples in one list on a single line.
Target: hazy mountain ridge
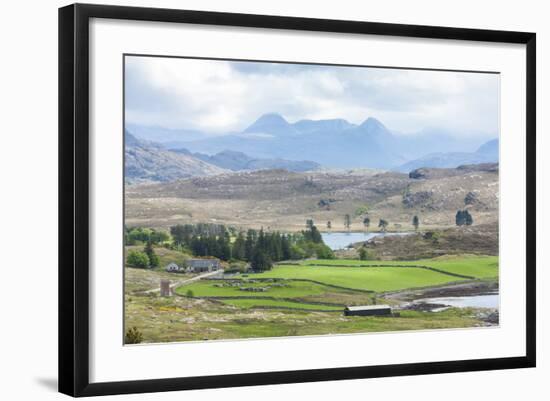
[(239, 161), (147, 161), (486, 153), (334, 143)]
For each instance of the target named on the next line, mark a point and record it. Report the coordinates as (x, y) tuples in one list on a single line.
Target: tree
[(178, 234), (151, 255), (238, 251), (363, 254), (260, 261), (286, 248), (383, 224), (459, 218), (329, 225), (309, 224), (347, 221), (133, 336), (463, 217), (366, 223), (158, 237), (469, 220), (137, 259), (416, 222), (249, 244), (313, 235)]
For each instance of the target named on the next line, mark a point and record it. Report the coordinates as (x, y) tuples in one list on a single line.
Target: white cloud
[(222, 96)]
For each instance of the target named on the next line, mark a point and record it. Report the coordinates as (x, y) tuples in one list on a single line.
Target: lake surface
[(341, 240), (474, 301)]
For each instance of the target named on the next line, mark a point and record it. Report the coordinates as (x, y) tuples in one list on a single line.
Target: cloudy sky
[(222, 96)]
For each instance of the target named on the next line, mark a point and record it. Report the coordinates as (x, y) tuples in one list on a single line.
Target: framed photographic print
[(250, 199)]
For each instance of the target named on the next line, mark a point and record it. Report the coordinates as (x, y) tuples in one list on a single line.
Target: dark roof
[(202, 262), (367, 307)]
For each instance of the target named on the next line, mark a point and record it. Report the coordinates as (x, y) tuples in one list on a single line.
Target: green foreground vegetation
[(186, 319), (339, 282), (301, 296)]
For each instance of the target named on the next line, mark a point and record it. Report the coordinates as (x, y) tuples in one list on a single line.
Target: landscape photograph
[(269, 199)]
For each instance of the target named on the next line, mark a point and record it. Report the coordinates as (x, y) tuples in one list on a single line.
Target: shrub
[(133, 336), (137, 259), (363, 254)]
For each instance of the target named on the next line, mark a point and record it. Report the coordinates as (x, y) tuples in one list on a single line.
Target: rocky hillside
[(279, 199), (146, 161)]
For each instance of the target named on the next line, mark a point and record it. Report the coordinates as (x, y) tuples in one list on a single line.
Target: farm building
[(202, 265), (368, 310), (172, 267)]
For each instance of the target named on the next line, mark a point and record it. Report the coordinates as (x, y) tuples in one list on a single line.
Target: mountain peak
[(489, 147), (271, 123), (271, 117), (373, 123)]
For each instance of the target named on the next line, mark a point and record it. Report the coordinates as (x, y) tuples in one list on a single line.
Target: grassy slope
[(166, 256)]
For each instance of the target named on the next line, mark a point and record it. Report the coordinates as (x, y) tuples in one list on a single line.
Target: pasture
[(479, 267), (335, 283)]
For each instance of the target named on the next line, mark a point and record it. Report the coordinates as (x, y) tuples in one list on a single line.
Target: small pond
[(473, 301), (341, 240)]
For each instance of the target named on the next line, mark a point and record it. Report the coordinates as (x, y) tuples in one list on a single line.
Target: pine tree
[(416, 222), (366, 223), (238, 251), (285, 248), (150, 252), (260, 261), (249, 244), (347, 221)]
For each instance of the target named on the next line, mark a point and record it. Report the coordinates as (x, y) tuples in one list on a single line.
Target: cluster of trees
[(464, 218), (140, 235), (257, 247), (143, 259), (382, 223)]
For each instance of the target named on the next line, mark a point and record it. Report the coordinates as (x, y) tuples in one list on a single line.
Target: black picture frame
[(74, 198)]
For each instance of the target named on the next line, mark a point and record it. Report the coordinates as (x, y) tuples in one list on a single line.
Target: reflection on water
[(474, 301)]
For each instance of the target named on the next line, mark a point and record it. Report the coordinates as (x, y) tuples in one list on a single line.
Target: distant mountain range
[(239, 161), (149, 161), (486, 153), (333, 143)]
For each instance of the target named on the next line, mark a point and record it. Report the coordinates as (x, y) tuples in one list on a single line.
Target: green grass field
[(481, 267), (280, 289), (339, 282), (378, 279)]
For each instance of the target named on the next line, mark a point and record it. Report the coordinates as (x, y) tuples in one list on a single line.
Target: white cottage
[(172, 267)]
